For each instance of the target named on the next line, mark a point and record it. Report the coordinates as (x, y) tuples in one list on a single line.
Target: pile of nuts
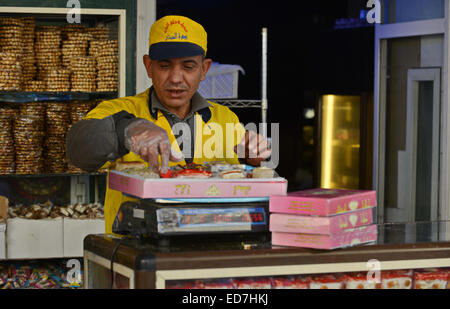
[(48, 210)]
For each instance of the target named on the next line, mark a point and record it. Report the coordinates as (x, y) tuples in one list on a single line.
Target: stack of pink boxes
[(323, 218)]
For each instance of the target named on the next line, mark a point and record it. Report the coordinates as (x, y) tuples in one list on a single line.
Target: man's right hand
[(148, 140)]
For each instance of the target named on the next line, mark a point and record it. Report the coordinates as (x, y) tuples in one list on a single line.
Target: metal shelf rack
[(263, 102)]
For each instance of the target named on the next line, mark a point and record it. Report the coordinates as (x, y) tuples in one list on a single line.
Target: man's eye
[(189, 66)]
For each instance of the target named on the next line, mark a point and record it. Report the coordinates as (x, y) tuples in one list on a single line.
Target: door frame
[(399, 30), (407, 159)]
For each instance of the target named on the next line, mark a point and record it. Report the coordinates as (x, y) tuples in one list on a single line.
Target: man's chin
[(176, 103)]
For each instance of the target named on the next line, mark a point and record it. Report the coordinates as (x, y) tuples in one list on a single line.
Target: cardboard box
[(76, 230), (322, 202), (2, 241), (195, 188), (29, 239), (320, 225), (348, 238)]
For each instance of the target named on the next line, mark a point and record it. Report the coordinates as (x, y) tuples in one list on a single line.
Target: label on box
[(320, 225), (322, 202), (348, 238)]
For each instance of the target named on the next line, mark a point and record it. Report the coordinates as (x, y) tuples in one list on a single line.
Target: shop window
[(398, 11)]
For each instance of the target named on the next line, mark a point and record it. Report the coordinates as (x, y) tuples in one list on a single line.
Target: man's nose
[(176, 75)]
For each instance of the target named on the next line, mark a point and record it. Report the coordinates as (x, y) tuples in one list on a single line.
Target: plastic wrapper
[(28, 139), (107, 65), (359, 281), (290, 282), (431, 279), (48, 210), (253, 283), (328, 281), (397, 279), (37, 275)]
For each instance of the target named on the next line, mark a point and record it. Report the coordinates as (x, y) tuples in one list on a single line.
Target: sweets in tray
[(211, 180), (323, 218), (216, 169)]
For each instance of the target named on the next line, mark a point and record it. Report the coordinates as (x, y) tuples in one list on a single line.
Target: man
[(143, 127)]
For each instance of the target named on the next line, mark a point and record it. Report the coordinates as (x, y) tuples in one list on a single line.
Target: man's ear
[(206, 65), (148, 65)]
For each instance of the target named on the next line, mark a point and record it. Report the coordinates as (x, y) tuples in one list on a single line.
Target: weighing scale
[(169, 219)]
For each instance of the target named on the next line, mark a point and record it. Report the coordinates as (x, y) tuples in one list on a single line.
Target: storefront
[(231, 229), (410, 166)]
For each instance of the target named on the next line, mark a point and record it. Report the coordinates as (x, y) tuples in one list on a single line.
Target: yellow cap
[(176, 36)]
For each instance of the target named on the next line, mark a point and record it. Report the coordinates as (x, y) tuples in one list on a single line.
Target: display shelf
[(28, 97), (50, 175), (146, 265), (236, 103), (60, 18)]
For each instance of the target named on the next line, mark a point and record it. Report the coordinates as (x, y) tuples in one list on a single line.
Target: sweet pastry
[(263, 172)]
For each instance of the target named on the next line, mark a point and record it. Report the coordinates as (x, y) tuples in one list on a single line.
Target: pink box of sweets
[(320, 225), (322, 202), (346, 238), (195, 188)]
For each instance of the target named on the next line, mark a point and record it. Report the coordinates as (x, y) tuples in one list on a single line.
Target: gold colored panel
[(340, 142)]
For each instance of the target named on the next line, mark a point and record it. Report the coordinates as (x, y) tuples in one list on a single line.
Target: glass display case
[(141, 263)]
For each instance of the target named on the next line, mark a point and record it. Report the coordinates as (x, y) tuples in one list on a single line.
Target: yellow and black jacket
[(98, 140)]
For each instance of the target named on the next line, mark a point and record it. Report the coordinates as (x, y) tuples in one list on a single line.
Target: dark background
[(306, 57)]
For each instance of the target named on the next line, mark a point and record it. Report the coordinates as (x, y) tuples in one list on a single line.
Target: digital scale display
[(211, 219), (222, 216)]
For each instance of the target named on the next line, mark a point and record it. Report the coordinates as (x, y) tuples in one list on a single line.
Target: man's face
[(176, 80)]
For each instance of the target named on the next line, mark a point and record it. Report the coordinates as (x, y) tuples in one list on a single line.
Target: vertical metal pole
[(264, 103)]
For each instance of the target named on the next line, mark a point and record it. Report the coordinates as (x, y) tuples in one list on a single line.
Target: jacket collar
[(199, 105)]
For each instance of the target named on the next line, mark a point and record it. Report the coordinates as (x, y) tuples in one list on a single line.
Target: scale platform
[(168, 222)]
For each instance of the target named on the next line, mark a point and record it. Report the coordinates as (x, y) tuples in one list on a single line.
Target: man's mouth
[(176, 92)]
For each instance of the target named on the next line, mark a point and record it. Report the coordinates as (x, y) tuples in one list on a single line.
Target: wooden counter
[(146, 265)]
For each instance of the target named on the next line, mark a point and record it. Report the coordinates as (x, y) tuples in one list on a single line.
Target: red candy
[(169, 174)]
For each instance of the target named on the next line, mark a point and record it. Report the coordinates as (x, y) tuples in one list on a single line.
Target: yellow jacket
[(207, 137)]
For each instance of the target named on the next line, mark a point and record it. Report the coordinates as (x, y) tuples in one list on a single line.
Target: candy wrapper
[(397, 279), (290, 282), (359, 281), (253, 283), (327, 282), (431, 279), (36, 275)]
